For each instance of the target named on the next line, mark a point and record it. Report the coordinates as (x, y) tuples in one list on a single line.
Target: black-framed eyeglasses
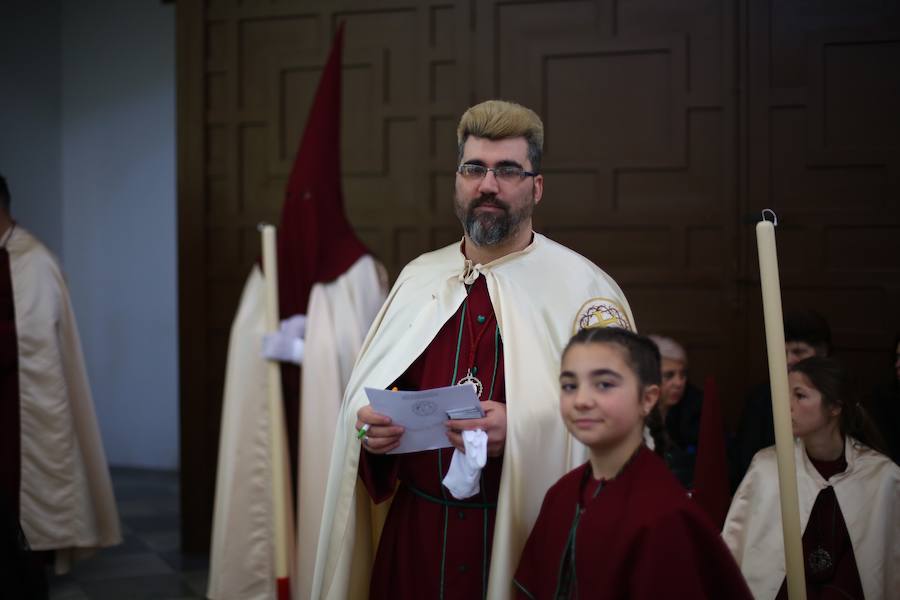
[(509, 173)]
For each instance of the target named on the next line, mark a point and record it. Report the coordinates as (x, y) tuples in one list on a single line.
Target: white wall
[(30, 114), (119, 217), (87, 142)]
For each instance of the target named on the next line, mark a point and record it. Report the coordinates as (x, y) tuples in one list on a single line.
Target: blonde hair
[(669, 348), (498, 120)]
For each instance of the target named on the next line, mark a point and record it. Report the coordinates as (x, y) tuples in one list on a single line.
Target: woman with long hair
[(849, 498)]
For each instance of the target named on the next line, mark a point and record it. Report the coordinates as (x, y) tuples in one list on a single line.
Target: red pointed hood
[(316, 243), (711, 487)]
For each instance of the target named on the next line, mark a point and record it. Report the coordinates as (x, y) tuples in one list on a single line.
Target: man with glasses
[(493, 311)]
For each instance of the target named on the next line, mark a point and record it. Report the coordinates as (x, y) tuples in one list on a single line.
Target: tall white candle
[(784, 438), (277, 434)]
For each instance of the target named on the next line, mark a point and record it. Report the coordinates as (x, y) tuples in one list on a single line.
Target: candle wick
[(774, 216)]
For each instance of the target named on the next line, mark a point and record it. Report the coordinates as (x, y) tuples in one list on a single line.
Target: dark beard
[(490, 229)]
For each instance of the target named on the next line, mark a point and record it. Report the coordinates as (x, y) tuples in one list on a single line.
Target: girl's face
[(600, 398), (808, 415), (674, 380)]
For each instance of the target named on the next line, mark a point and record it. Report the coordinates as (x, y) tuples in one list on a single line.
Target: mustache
[(489, 200)]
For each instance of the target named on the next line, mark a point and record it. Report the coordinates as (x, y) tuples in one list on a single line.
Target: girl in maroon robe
[(620, 526)]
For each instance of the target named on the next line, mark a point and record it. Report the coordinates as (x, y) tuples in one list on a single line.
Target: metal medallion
[(473, 381), (819, 561)]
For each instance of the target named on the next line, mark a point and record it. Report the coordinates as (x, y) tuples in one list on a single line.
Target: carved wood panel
[(667, 124), (823, 150), (640, 164)]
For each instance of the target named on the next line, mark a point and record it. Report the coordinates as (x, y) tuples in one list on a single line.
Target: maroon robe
[(638, 537), (433, 545), (827, 529)]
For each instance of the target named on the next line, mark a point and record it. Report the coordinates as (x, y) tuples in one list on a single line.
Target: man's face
[(492, 211), (797, 351)]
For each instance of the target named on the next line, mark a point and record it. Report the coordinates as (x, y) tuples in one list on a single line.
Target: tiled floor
[(148, 565)]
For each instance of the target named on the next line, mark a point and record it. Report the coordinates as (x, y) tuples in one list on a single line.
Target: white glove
[(465, 468), (294, 326), (287, 344)]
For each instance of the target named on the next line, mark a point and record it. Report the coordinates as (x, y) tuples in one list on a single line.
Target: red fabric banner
[(711, 488)]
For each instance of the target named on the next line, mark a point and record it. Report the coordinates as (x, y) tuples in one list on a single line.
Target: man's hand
[(493, 423), (381, 437)]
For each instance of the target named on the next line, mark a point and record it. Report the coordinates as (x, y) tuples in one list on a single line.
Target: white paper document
[(423, 414)]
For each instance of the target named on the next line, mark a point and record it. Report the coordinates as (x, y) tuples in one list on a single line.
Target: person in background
[(849, 496), (806, 333), (680, 403), (53, 470)]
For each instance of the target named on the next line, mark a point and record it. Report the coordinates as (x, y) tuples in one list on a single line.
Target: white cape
[(66, 497), (541, 296), (242, 561), (868, 493)]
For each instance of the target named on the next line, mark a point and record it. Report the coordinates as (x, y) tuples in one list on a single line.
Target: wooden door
[(669, 125), (821, 141), (640, 114)]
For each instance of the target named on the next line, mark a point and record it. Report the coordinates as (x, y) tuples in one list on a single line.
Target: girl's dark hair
[(809, 327), (833, 382), (642, 356)]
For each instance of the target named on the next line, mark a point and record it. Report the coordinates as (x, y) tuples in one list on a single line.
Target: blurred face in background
[(674, 380), (797, 351)]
